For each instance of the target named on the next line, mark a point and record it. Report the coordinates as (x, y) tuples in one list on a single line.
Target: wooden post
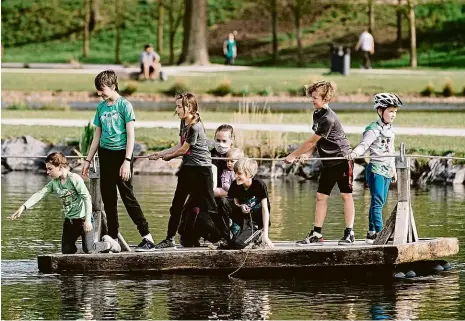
[(401, 224)]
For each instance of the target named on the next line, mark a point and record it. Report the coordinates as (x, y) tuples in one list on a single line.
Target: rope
[(275, 159)]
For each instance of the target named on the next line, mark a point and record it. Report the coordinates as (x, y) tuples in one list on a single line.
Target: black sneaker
[(313, 238), (165, 245), (348, 239), (145, 246), (371, 237)]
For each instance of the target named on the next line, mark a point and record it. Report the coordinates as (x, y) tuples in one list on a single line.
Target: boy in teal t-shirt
[(77, 205), (114, 139)]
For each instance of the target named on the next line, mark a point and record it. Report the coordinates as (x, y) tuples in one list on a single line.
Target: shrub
[(18, 106), (463, 91), (244, 92), (86, 139), (130, 88), (428, 91), (223, 89), (266, 92), (178, 88), (296, 92), (447, 91)]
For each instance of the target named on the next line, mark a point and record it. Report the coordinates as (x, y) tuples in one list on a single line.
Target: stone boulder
[(23, 146), (442, 171), (270, 170)]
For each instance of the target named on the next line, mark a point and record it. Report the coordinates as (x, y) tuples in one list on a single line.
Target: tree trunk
[(298, 33), (85, 52), (161, 20), (413, 34), (274, 28), (194, 46), (118, 10), (399, 24), (95, 14), (173, 24), (371, 16)]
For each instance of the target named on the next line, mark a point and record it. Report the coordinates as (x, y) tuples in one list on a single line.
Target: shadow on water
[(27, 294)]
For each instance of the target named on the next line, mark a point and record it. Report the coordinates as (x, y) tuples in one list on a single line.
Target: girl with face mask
[(224, 140)]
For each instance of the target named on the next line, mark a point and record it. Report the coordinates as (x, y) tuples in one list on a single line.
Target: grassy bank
[(444, 119), (158, 138), (263, 81)]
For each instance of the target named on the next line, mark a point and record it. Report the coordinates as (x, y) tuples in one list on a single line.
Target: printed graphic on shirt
[(110, 119), (68, 199)]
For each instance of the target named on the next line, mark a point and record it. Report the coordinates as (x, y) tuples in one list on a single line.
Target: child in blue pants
[(378, 138)]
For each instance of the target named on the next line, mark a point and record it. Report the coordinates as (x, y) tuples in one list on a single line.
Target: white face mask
[(221, 148)]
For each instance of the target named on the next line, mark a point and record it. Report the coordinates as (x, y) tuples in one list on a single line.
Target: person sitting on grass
[(150, 63), (251, 209), (77, 206)]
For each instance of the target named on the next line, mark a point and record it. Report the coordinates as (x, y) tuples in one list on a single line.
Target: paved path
[(18, 67), (297, 128)]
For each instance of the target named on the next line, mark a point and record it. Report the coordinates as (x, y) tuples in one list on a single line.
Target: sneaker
[(165, 245), (102, 247), (313, 238), (348, 239), (371, 237), (145, 246), (114, 244)]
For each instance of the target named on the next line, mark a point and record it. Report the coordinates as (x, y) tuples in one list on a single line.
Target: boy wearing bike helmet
[(378, 138)]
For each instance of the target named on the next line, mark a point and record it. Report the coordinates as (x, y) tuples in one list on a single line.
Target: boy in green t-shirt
[(77, 205)]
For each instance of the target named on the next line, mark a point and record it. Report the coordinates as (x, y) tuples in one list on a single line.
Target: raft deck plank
[(286, 255)]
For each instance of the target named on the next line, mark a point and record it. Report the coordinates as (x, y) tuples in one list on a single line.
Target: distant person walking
[(230, 49), (367, 44)]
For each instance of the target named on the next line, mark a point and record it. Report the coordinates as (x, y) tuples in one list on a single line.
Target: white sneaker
[(102, 247), (115, 247)]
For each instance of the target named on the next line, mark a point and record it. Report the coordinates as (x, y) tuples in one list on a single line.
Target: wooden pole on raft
[(100, 219), (401, 224)]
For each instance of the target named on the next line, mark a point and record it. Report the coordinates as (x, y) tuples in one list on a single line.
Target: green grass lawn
[(444, 119), (157, 138), (271, 80)]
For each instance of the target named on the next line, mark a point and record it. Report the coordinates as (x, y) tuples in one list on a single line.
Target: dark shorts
[(151, 69), (341, 174)]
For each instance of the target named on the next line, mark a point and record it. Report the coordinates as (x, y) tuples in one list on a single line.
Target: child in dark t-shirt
[(251, 205), (330, 141)]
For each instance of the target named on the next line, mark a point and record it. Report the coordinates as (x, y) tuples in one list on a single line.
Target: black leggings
[(197, 183)]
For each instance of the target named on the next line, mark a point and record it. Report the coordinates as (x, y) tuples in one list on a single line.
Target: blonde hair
[(236, 153), (327, 89), (247, 166), (57, 159)]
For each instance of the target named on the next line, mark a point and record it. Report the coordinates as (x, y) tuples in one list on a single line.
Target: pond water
[(27, 294)]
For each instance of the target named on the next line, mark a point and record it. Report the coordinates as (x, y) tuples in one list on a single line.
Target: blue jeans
[(379, 188)]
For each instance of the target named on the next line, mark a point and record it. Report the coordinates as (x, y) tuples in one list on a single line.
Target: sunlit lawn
[(272, 80)]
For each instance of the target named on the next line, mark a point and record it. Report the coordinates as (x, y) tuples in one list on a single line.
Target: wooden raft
[(397, 244)]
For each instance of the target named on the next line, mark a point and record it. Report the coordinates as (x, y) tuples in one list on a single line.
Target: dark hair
[(106, 78), (226, 128), (149, 45), (57, 159)]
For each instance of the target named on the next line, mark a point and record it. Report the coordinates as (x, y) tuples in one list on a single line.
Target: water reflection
[(29, 295)]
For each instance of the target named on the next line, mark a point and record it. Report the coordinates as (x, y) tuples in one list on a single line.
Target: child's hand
[(125, 171), (167, 157), (267, 242), (87, 226), (155, 156), (394, 178), (17, 214), (350, 156), (85, 169), (245, 209), (290, 159)]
